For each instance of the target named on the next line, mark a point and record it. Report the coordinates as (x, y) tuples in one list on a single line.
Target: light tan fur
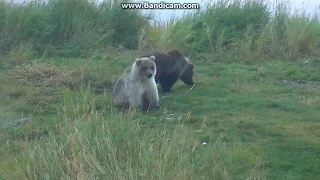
[(137, 85)]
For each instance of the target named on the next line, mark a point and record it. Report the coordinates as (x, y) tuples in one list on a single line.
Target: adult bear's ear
[(153, 58), (138, 61), (191, 66)]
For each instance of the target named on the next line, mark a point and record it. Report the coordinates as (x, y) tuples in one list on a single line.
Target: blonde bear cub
[(136, 88)]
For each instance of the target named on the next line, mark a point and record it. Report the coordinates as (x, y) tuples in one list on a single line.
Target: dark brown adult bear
[(172, 66)]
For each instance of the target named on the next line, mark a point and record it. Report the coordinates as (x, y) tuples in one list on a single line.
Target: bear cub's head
[(146, 67)]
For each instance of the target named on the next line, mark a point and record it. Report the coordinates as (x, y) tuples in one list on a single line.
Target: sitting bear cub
[(137, 88)]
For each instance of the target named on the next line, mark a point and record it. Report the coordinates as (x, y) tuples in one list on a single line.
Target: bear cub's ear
[(138, 61), (153, 58)]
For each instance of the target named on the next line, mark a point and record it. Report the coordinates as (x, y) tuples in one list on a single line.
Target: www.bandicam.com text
[(161, 5)]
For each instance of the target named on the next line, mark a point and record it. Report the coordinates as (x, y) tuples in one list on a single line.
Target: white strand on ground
[(174, 93)]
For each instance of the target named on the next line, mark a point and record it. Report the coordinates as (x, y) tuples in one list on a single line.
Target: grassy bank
[(259, 121), (252, 120)]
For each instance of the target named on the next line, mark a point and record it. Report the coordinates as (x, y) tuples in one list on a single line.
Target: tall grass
[(227, 29), (68, 28), (76, 134), (164, 35), (87, 143), (244, 30)]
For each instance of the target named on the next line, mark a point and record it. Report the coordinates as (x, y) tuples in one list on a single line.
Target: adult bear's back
[(168, 62)]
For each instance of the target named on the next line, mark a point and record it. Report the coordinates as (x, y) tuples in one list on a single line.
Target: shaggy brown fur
[(171, 66)]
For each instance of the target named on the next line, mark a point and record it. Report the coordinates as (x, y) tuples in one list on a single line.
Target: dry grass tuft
[(38, 84)]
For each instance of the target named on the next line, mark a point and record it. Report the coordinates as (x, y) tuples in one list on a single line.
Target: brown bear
[(171, 66), (136, 88)]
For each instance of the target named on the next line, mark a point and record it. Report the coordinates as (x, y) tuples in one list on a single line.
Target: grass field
[(258, 120), (254, 112)]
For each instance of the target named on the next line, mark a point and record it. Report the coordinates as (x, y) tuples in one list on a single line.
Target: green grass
[(256, 125), (239, 30), (73, 28), (228, 29), (255, 102)]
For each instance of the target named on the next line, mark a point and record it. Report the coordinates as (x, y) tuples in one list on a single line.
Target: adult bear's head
[(187, 76)]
